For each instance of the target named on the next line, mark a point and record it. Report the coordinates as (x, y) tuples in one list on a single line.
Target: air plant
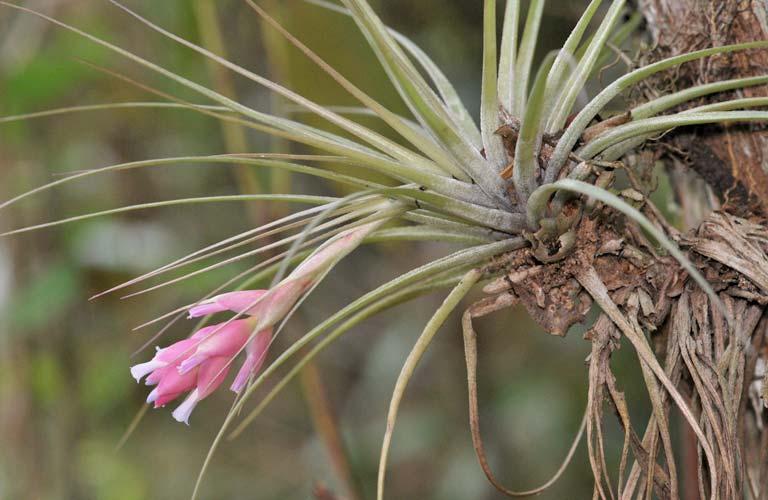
[(532, 195)]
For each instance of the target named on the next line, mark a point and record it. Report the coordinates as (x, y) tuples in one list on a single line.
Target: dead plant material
[(697, 362)]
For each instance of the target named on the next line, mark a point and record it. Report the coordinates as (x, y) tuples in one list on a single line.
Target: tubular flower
[(256, 352), (199, 364), (239, 302), (272, 305)]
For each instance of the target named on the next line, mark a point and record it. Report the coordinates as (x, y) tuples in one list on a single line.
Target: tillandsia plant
[(549, 196)]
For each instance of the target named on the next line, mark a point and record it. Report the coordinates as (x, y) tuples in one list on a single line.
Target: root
[(712, 355), (479, 309)]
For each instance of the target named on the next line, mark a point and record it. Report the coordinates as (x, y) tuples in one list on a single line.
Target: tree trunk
[(731, 159)]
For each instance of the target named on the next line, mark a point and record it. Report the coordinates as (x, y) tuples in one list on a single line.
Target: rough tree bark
[(702, 354), (733, 161)]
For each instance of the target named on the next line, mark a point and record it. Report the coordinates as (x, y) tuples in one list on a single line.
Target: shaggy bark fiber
[(700, 359), (732, 160)]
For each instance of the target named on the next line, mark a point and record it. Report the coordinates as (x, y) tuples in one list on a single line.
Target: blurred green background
[(66, 396)]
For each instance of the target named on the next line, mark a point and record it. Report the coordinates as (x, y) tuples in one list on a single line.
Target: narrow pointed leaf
[(581, 121), (106, 107), (525, 56), (508, 56), (292, 198), (566, 58), (564, 104), (450, 303), (669, 101), (527, 166), (489, 106), (663, 123)]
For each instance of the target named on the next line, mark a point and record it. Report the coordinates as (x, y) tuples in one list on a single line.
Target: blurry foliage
[(65, 392)]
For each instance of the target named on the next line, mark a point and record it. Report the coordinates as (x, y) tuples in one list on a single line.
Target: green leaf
[(663, 123), (292, 198), (420, 233), (508, 57), (529, 140), (669, 101), (746, 103), (565, 58), (620, 36), (575, 85), (105, 107), (666, 102), (440, 316), (579, 124), (489, 105), (260, 160), (525, 57)]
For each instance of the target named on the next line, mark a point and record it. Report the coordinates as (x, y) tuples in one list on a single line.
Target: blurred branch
[(277, 60), (325, 424), (234, 135)]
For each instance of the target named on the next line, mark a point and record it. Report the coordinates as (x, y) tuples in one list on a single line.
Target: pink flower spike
[(172, 385), (210, 376), (156, 376), (237, 302), (227, 342), (279, 301), (333, 250), (256, 351), (164, 357)]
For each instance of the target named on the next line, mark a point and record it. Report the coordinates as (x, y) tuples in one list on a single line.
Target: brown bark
[(732, 159)]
